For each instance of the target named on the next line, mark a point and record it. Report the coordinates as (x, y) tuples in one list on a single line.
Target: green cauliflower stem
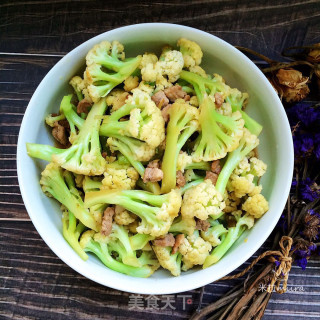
[(247, 143), (84, 156), (60, 185), (102, 58), (215, 233), (67, 111), (219, 134), (71, 231), (243, 223), (101, 249), (236, 100), (155, 211), (185, 162), (183, 123)]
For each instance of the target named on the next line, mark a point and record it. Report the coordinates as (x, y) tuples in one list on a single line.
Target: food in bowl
[(156, 164)]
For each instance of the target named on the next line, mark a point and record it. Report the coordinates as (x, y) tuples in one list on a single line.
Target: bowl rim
[(126, 285)]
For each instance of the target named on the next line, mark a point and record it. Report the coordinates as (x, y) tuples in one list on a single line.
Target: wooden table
[(34, 35)]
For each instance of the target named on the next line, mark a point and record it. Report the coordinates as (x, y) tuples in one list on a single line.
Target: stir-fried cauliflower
[(202, 201), (256, 206), (121, 177), (191, 51), (194, 251)]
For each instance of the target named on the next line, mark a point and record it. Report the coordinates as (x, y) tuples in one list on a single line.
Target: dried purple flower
[(309, 190), (302, 263), (303, 250), (303, 112)]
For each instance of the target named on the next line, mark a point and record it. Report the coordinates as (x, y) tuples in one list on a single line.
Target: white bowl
[(275, 149)]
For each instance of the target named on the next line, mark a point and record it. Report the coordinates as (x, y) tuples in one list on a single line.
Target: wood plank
[(56, 27), (36, 283)]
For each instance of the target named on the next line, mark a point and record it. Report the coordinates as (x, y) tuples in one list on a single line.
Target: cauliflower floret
[(242, 168), (150, 70), (214, 234), (141, 152), (257, 167), (123, 217), (191, 51), (225, 109), (147, 123), (185, 225), (202, 200), (183, 160), (116, 98), (119, 177), (131, 83), (166, 213), (256, 205), (171, 262), (194, 101), (232, 202), (120, 49), (198, 70), (80, 85), (162, 83), (145, 87), (171, 63), (97, 51), (241, 185), (194, 251)]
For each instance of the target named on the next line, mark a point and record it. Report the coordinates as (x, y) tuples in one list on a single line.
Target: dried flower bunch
[(298, 229)]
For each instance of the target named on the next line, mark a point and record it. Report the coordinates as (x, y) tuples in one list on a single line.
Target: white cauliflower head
[(183, 160), (202, 201), (146, 122), (256, 206), (191, 51), (194, 251), (120, 177), (123, 217), (171, 262), (171, 63)]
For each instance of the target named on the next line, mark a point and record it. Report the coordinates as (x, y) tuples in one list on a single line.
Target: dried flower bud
[(314, 54), (290, 84)]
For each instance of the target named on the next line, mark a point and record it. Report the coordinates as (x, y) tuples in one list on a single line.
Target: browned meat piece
[(215, 166), (104, 154), (59, 133), (167, 241), (64, 123), (165, 112), (152, 175), (106, 225), (181, 180), (202, 225), (211, 176), (179, 240), (218, 99), (154, 164), (187, 98), (160, 99), (175, 92), (83, 106)]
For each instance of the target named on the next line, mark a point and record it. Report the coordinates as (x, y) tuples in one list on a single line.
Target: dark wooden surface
[(34, 35)]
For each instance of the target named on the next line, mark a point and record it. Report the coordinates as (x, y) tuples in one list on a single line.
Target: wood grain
[(55, 27), (34, 35)]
